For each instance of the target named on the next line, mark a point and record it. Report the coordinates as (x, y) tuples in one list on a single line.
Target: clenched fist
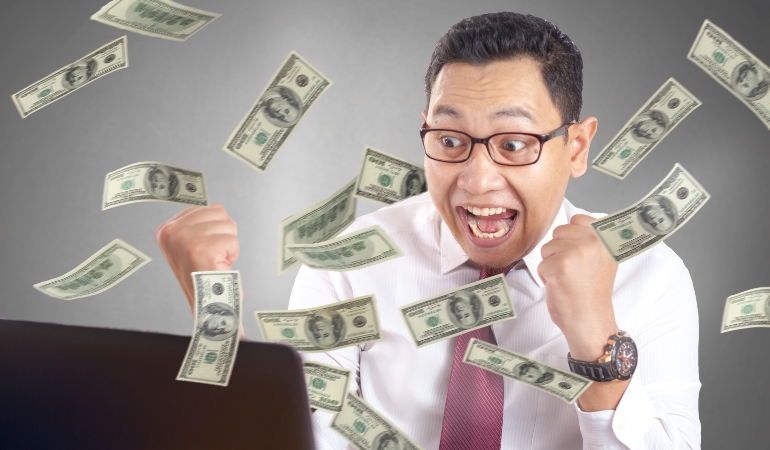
[(198, 239)]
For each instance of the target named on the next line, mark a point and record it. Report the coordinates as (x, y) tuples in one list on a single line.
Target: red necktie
[(473, 413)]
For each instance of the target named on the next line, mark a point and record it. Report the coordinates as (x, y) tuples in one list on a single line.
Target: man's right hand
[(198, 239)]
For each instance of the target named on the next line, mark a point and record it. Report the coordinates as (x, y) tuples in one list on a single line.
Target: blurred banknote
[(159, 18), (338, 325), (318, 223), (153, 181), (734, 67), (654, 218), (327, 386), (387, 179), (102, 61), (356, 250), (367, 429), (661, 114), (280, 107), (749, 309), (214, 342), (101, 271), (458, 311), (560, 383)]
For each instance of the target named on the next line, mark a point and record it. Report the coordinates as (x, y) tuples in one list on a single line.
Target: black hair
[(499, 36)]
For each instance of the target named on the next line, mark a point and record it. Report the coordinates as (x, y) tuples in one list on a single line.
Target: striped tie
[(473, 413)]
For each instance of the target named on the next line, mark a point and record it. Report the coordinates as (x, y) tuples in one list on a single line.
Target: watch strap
[(593, 371)]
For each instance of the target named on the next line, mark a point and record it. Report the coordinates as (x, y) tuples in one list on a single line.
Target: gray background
[(178, 102)]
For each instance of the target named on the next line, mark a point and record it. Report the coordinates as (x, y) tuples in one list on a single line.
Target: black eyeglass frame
[(543, 138)]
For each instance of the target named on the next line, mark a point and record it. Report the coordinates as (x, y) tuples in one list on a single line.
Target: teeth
[(478, 233), (485, 211)]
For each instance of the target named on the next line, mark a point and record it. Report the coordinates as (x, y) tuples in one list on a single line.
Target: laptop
[(67, 387)]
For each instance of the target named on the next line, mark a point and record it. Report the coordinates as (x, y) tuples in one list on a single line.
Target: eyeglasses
[(507, 149)]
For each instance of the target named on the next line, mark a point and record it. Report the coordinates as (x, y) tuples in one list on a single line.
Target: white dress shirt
[(653, 299)]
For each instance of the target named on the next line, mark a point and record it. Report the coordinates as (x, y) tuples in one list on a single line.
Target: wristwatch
[(618, 362)]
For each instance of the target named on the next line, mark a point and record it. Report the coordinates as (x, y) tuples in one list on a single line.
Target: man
[(161, 182), (466, 309), (218, 321), (750, 81), (658, 215), (533, 372), (283, 107), (650, 126), (325, 330), (496, 202)]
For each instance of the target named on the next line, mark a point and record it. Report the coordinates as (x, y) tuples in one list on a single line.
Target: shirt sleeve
[(660, 406), (314, 288)]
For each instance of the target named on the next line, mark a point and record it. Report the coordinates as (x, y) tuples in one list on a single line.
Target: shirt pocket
[(556, 421)]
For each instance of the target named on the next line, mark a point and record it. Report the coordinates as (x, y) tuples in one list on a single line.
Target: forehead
[(506, 88)]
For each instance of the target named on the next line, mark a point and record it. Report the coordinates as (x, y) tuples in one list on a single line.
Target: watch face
[(624, 359)]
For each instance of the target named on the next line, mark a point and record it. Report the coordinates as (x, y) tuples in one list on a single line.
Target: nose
[(480, 174)]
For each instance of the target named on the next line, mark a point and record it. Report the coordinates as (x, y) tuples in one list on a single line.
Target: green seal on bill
[(126, 185), (747, 309), (626, 233), (210, 358), (625, 153), (718, 56), (359, 426), (260, 138), (287, 333), (432, 321), (319, 383), (384, 180)]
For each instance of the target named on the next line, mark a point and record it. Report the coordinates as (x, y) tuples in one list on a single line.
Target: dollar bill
[(749, 309), (654, 218), (214, 342), (318, 223), (339, 325), (653, 122), (357, 250), (159, 18), (104, 269), (458, 311), (560, 383), (367, 429), (294, 89), (153, 181), (327, 386), (102, 61), (733, 67), (387, 179)]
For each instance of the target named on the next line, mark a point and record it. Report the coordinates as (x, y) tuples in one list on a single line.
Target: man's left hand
[(579, 275)]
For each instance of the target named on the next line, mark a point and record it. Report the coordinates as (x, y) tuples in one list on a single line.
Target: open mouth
[(488, 225)]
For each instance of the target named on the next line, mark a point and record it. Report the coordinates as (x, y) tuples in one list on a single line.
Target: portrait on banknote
[(650, 126), (80, 73), (657, 215), (413, 184), (219, 320), (283, 106), (387, 440), (465, 309), (750, 81), (161, 182), (325, 328), (533, 373)]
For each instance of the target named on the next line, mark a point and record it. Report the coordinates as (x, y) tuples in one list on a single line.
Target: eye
[(449, 141), (513, 145)]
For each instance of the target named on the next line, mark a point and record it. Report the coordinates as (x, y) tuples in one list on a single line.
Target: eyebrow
[(514, 111)]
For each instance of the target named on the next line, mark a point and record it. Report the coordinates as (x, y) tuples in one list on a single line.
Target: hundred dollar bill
[(214, 342), (560, 383), (734, 67), (280, 107), (367, 429), (102, 61), (153, 181), (654, 218), (104, 269), (327, 386), (661, 114), (318, 223), (357, 250), (338, 325), (160, 18), (387, 179), (458, 311), (748, 309)]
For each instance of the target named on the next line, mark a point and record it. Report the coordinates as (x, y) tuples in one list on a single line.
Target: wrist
[(588, 344)]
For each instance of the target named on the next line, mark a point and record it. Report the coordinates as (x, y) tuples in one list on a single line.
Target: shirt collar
[(453, 256)]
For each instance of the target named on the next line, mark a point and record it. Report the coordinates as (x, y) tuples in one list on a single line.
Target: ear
[(580, 136)]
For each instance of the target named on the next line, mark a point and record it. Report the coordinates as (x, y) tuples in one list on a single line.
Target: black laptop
[(65, 387)]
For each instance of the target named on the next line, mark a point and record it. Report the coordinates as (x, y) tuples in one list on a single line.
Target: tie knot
[(492, 271)]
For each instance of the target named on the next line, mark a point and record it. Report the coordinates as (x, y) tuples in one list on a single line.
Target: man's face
[(221, 324), (413, 187), (322, 331), (77, 76), (463, 311), (390, 445), (530, 373), (656, 216), (747, 82), (650, 129), (284, 110), (159, 183), (483, 100)]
